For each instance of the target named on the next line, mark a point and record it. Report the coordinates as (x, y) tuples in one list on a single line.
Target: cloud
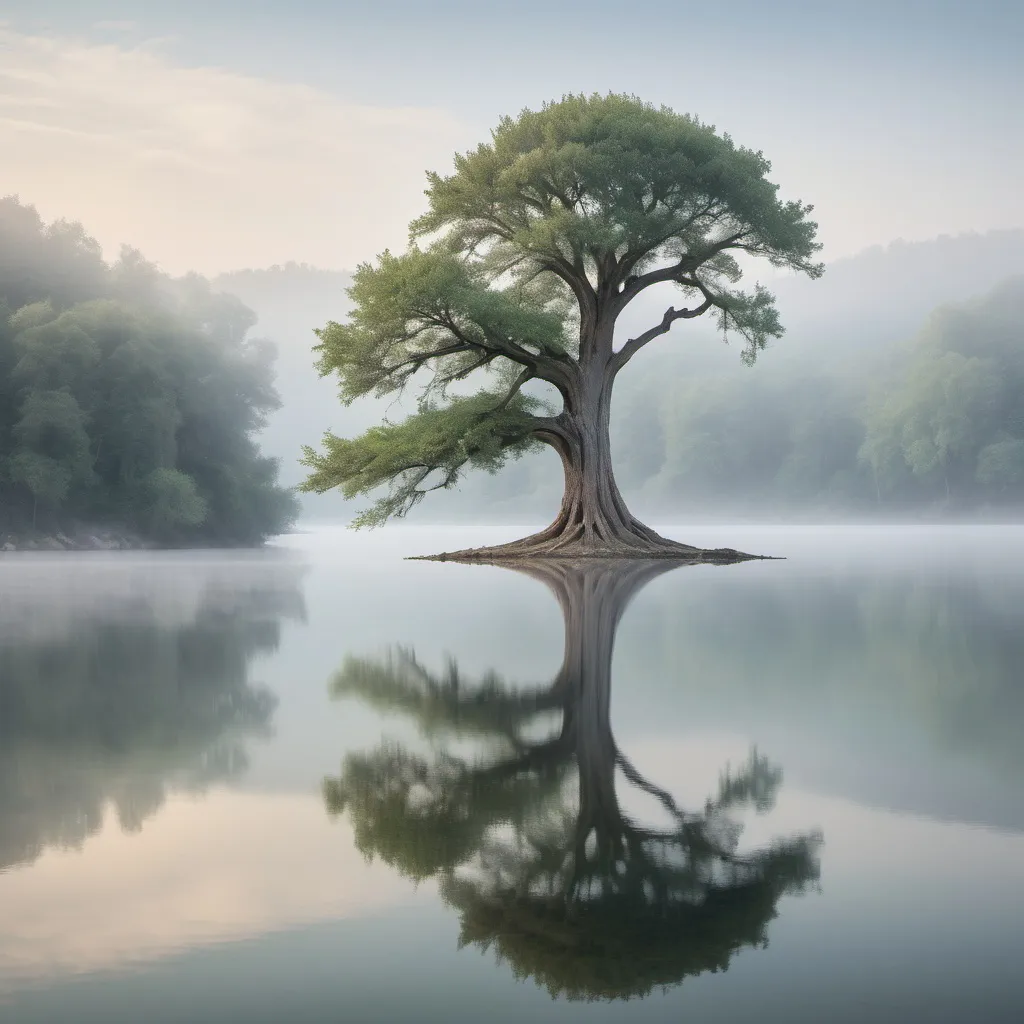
[(206, 168)]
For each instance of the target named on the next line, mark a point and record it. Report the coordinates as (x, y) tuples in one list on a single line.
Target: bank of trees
[(127, 399), (933, 426)]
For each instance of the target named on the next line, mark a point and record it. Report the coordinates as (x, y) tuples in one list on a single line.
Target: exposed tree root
[(580, 543), (593, 522)]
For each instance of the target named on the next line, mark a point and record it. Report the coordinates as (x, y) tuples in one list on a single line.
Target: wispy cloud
[(205, 167)]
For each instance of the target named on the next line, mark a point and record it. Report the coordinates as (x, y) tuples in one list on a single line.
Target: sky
[(221, 135)]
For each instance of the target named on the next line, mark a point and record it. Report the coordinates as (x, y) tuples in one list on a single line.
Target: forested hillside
[(128, 399)]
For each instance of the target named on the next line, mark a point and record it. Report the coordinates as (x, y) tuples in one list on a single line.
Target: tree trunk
[(593, 521)]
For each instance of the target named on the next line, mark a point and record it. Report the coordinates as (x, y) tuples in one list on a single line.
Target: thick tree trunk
[(593, 521)]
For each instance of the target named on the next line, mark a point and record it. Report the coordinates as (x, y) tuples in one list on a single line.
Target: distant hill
[(860, 311)]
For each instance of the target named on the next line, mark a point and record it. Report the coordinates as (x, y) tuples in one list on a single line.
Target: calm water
[(321, 783)]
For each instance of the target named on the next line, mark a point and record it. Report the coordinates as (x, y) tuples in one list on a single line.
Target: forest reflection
[(107, 709), (528, 835)]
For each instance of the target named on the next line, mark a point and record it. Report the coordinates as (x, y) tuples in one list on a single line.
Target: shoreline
[(83, 538)]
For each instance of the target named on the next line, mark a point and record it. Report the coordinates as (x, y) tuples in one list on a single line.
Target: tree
[(1001, 465), (945, 425), (532, 250), (52, 452), (530, 842), (173, 502)]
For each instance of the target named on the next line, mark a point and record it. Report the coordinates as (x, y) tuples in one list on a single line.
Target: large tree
[(530, 840), (519, 271)]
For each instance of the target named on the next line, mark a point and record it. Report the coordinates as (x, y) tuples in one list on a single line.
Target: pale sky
[(221, 135)]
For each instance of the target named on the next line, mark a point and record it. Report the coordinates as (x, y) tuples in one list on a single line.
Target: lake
[(320, 782)]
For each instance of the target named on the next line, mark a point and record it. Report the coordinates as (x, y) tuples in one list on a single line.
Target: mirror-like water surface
[(319, 782)]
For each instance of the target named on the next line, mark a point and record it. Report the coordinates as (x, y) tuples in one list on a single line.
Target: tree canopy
[(128, 398), (518, 272)]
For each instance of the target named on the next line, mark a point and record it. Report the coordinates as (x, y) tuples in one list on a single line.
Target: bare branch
[(420, 358), (525, 376), (450, 378), (672, 314)]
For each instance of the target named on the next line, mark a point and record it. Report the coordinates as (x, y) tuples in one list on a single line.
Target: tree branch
[(632, 256), (420, 358), (672, 314), (449, 378), (526, 375), (687, 265), (500, 347)]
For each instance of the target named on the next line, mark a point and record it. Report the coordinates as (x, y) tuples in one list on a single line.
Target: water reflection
[(528, 835), (121, 694), (899, 687)]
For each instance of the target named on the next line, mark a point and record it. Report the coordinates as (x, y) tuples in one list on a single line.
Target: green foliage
[(35, 314), (521, 266), (127, 398), (52, 446), (596, 176), (1001, 465), (444, 440), (953, 417), (936, 413), (425, 306), (173, 502), (58, 262)]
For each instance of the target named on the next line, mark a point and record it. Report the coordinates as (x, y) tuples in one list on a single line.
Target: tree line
[(936, 425), (128, 399)]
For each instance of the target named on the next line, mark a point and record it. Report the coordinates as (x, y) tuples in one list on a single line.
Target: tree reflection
[(117, 708), (528, 837)]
